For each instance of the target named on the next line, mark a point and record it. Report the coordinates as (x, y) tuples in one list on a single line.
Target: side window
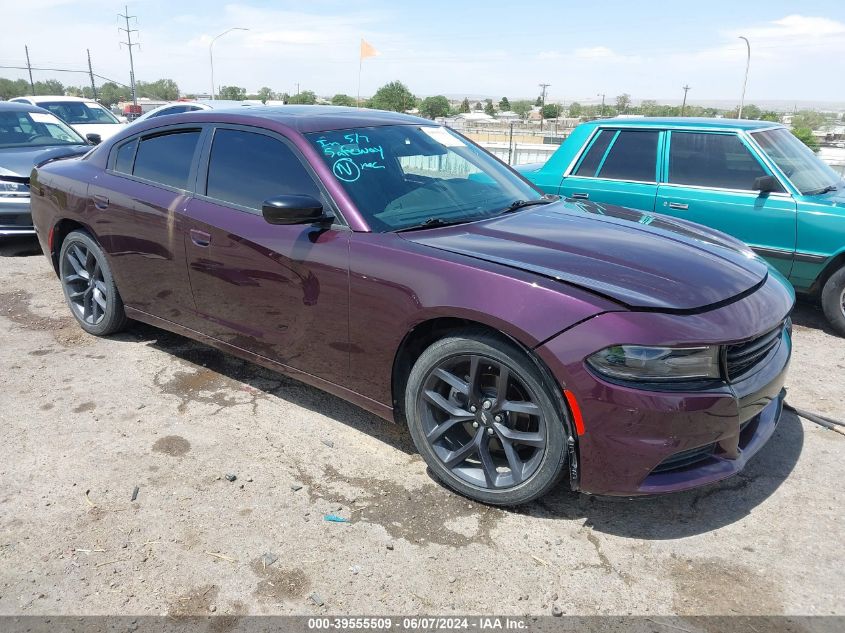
[(633, 156), (712, 160), (245, 168), (167, 158), (125, 157), (592, 159)]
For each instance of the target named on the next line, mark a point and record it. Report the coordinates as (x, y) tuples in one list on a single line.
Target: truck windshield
[(403, 176), (798, 163)]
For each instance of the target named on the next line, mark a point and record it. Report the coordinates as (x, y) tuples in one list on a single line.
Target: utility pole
[(29, 68), (542, 102), (745, 81), (129, 44), (602, 103), (684, 104), (91, 74)]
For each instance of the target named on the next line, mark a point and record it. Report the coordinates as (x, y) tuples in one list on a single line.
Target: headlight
[(657, 364), (8, 188)]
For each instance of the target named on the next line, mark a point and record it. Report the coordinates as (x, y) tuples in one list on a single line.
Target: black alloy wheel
[(483, 419)]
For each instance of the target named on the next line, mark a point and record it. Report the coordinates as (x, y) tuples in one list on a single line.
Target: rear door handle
[(682, 206), (101, 202), (200, 238), (581, 196)]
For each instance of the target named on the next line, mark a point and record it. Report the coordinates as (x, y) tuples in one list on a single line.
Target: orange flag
[(367, 49)]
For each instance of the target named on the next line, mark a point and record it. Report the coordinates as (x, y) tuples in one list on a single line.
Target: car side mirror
[(766, 184), (94, 139), (293, 209)]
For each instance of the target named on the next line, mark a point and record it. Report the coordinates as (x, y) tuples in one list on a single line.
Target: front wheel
[(833, 300), (88, 285), (482, 416)]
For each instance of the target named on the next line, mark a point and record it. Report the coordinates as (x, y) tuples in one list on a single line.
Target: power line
[(129, 44)]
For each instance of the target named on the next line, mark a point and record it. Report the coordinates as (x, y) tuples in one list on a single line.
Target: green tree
[(433, 107), (538, 102), (265, 94), (809, 119), (232, 93), (770, 115), (110, 93), (478, 107), (805, 135), (465, 105), (165, 89), (306, 97), (49, 87), (575, 109), (551, 111), (488, 108), (504, 105), (11, 88), (343, 100), (522, 108), (393, 96), (623, 102)]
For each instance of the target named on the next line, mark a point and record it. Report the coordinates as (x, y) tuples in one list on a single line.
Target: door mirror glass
[(94, 139), (766, 184), (293, 209)]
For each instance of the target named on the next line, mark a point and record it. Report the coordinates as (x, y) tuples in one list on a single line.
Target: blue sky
[(490, 48)]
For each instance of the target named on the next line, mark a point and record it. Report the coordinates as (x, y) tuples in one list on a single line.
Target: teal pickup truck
[(751, 179)]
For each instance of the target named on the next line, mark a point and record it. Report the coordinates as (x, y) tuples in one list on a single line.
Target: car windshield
[(34, 129), (404, 176), (79, 112), (798, 163)]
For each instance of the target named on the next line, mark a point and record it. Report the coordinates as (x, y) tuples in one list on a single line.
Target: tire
[(833, 300), (89, 287), (507, 451)]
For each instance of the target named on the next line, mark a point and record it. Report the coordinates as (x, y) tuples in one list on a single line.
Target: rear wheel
[(481, 415), (88, 285), (833, 300)]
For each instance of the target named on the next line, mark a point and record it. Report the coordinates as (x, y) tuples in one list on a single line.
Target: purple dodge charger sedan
[(387, 260)]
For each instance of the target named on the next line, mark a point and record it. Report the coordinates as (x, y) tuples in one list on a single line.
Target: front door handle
[(682, 206), (101, 202), (581, 196), (200, 238)]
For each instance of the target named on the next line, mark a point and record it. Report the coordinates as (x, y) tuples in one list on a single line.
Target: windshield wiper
[(431, 223), (521, 204), (827, 189)]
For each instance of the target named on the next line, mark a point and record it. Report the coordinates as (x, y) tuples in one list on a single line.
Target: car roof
[(308, 118), (686, 122), (21, 106), (40, 98)]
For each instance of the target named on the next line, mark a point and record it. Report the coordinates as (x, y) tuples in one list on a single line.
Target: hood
[(641, 260), (18, 161), (105, 130)]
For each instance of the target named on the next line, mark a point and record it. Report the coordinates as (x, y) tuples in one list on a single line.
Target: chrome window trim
[(749, 192), (636, 182)]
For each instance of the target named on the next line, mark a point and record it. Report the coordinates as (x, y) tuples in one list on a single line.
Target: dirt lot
[(84, 421)]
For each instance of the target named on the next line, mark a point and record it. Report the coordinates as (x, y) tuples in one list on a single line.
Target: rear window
[(622, 155), (167, 158)]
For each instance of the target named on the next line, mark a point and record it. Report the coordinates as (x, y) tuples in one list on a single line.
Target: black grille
[(685, 459), (743, 357)]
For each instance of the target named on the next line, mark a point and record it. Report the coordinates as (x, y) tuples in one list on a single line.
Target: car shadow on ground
[(270, 383), (808, 313), (684, 514), (18, 246), (661, 517)]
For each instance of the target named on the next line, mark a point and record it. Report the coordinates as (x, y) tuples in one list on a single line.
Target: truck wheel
[(833, 300)]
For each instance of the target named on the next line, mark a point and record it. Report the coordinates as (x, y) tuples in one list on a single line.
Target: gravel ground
[(85, 421)]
